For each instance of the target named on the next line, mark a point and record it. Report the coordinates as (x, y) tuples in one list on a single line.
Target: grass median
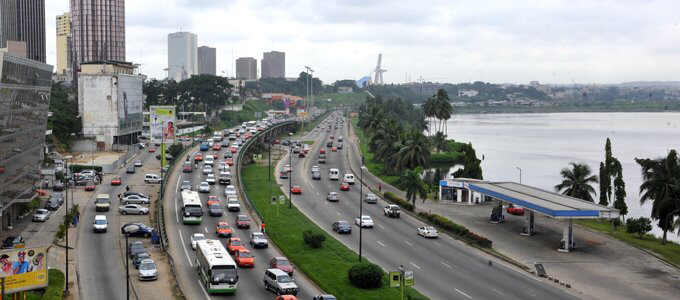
[(326, 266)]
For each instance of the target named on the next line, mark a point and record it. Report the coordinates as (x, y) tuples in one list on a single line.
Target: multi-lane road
[(444, 268)]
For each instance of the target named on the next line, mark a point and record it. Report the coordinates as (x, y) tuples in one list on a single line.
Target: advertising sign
[(24, 269), (162, 120), (395, 279), (130, 103)]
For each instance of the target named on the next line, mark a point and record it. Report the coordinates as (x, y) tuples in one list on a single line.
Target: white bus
[(216, 268), (192, 209)]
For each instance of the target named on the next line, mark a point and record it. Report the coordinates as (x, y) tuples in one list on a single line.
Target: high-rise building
[(182, 55), (25, 101), (207, 63), (273, 64), (246, 68), (63, 43), (24, 21), (97, 31)]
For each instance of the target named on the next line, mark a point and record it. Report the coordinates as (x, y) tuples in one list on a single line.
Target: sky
[(498, 41)]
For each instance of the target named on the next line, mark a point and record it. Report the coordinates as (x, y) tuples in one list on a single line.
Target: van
[(279, 282), (349, 178), (334, 174), (102, 202), (152, 178), (100, 223)]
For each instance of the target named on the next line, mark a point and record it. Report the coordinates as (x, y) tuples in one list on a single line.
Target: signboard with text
[(24, 269), (162, 120)]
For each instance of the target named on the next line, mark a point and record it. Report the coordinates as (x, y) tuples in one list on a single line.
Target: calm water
[(542, 144)]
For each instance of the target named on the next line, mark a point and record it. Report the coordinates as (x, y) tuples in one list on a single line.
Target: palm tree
[(414, 186), (372, 119), (414, 153), (429, 109), (439, 142), (384, 140), (442, 107), (661, 185), (577, 182)]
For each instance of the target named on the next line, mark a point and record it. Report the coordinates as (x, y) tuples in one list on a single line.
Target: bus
[(192, 209), (216, 268)]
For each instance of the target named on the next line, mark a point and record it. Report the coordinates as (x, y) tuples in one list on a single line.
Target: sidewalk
[(601, 268)]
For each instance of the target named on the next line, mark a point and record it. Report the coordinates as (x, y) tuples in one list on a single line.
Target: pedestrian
[(262, 228), (127, 188), (120, 199), (379, 187)]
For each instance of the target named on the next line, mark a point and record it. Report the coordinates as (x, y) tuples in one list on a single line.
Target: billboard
[(130, 103), (24, 269), (162, 120)]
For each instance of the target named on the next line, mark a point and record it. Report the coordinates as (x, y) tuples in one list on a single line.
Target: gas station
[(535, 200)]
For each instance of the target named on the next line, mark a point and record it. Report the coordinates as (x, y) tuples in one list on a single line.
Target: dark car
[(342, 227), (59, 197), (52, 204), (316, 176), (215, 210), (242, 221), (12, 242), (329, 144), (137, 258), (168, 156), (228, 154), (58, 186), (130, 169), (135, 248), (339, 146), (144, 231), (324, 297)]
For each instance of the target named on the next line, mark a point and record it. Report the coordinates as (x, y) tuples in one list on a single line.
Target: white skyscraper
[(182, 55)]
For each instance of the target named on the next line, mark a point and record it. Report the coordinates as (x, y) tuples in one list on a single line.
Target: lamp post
[(162, 152), (361, 204), (67, 225), (290, 176), (128, 230), (520, 174)]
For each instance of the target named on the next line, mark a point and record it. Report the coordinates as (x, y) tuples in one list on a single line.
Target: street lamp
[(361, 203), (520, 174), (290, 176), (128, 230), (66, 200)]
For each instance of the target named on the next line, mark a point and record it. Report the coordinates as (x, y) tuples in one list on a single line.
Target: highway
[(250, 284), (444, 268)]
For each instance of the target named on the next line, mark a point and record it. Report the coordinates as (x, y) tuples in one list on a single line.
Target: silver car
[(147, 270), (258, 239), (133, 209), (332, 196), (207, 169), (129, 199), (210, 179), (204, 187), (138, 163), (41, 215), (195, 238), (186, 185)]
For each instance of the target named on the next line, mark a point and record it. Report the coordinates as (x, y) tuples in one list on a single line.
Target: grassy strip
[(53, 291), (327, 266), (669, 252)]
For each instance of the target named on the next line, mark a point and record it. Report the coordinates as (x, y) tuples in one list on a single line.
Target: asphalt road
[(250, 285), (444, 268)]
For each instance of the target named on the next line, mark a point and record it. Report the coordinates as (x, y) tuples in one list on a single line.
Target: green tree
[(372, 119), (577, 182), (471, 164), (430, 111), (443, 108), (439, 142), (604, 184), (413, 185), (620, 191), (64, 119), (414, 153), (661, 185), (639, 226)]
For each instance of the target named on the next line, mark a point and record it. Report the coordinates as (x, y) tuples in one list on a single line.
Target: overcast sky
[(447, 41)]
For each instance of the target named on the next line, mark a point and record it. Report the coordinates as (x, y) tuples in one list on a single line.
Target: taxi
[(223, 229), (234, 245), (116, 180), (198, 157), (244, 258), (230, 161), (213, 200)]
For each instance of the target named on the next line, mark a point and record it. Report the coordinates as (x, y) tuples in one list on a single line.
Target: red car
[(223, 229), (213, 200), (296, 189), (242, 221), (90, 186), (217, 147), (116, 181), (281, 263), (244, 258), (198, 157), (248, 135), (332, 137), (152, 149), (276, 142), (214, 155), (515, 210), (344, 186), (234, 245), (230, 161), (334, 149), (233, 149)]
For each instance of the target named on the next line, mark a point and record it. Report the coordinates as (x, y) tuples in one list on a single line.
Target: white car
[(428, 231), (133, 209), (41, 215), (224, 167), (207, 169), (209, 160), (204, 187), (233, 204), (286, 168), (364, 221), (315, 169), (229, 190), (210, 179), (137, 199), (195, 238)]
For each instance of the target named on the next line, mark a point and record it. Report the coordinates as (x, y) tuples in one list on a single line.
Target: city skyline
[(556, 42)]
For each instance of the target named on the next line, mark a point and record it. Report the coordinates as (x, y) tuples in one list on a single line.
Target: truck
[(102, 202), (392, 211)]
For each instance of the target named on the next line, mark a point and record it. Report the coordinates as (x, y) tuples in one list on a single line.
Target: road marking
[(443, 263), (381, 226), (185, 248), (206, 229), (464, 294), (177, 186), (337, 213), (176, 211), (437, 244), (408, 243), (497, 291), (355, 225), (381, 244), (203, 288), (414, 265), (476, 264)]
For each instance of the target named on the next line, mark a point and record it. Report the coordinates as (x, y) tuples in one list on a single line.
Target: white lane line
[(497, 291), (203, 289), (437, 244), (414, 265), (443, 263), (476, 264), (206, 229), (176, 212), (408, 243), (177, 186), (337, 213), (355, 225), (464, 294), (381, 226), (381, 244), (185, 248)]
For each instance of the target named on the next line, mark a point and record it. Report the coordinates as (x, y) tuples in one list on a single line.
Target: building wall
[(182, 55), (207, 60), (24, 20), (246, 68), (273, 64), (97, 31), (63, 43)]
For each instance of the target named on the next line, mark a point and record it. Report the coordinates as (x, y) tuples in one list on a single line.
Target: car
[(332, 197), (392, 211), (342, 227), (223, 229), (234, 244), (344, 186), (187, 167), (116, 181), (211, 179), (217, 147), (148, 270), (52, 204), (198, 157), (215, 210), (334, 149), (322, 160), (133, 209), (242, 221), (213, 200), (329, 144), (301, 154), (515, 210), (58, 186), (186, 185), (135, 248), (137, 259), (428, 232), (143, 231), (324, 297), (364, 221), (279, 282), (204, 187), (286, 168), (370, 198), (233, 149), (128, 193), (195, 238), (207, 169), (138, 163), (229, 190), (224, 166), (340, 138), (228, 154), (315, 169), (130, 169), (13, 242), (90, 186), (258, 240), (58, 196), (41, 215), (209, 160), (244, 259), (339, 146), (296, 189), (135, 199), (100, 224), (316, 176), (224, 178), (331, 137), (284, 174), (281, 263), (233, 204), (152, 149), (230, 161)]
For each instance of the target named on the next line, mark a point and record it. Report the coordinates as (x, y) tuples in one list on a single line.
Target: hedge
[(459, 230), (78, 168), (401, 202)]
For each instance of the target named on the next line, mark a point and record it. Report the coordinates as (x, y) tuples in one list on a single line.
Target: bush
[(61, 231), (639, 226), (176, 149), (313, 239), (401, 202), (446, 157), (459, 230), (365, 275)]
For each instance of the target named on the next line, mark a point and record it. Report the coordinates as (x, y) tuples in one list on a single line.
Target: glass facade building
[(24, 102)]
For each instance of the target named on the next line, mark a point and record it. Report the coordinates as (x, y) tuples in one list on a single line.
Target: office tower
[(246, 68), (24, 21), (182, 55), (63, 43), (207, 60), (97, 31), (273, 64)]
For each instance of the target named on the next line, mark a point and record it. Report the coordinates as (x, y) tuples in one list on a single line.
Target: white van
[(152, 178), (100, 223), (349, 178), (102, 202), (334, 174)]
